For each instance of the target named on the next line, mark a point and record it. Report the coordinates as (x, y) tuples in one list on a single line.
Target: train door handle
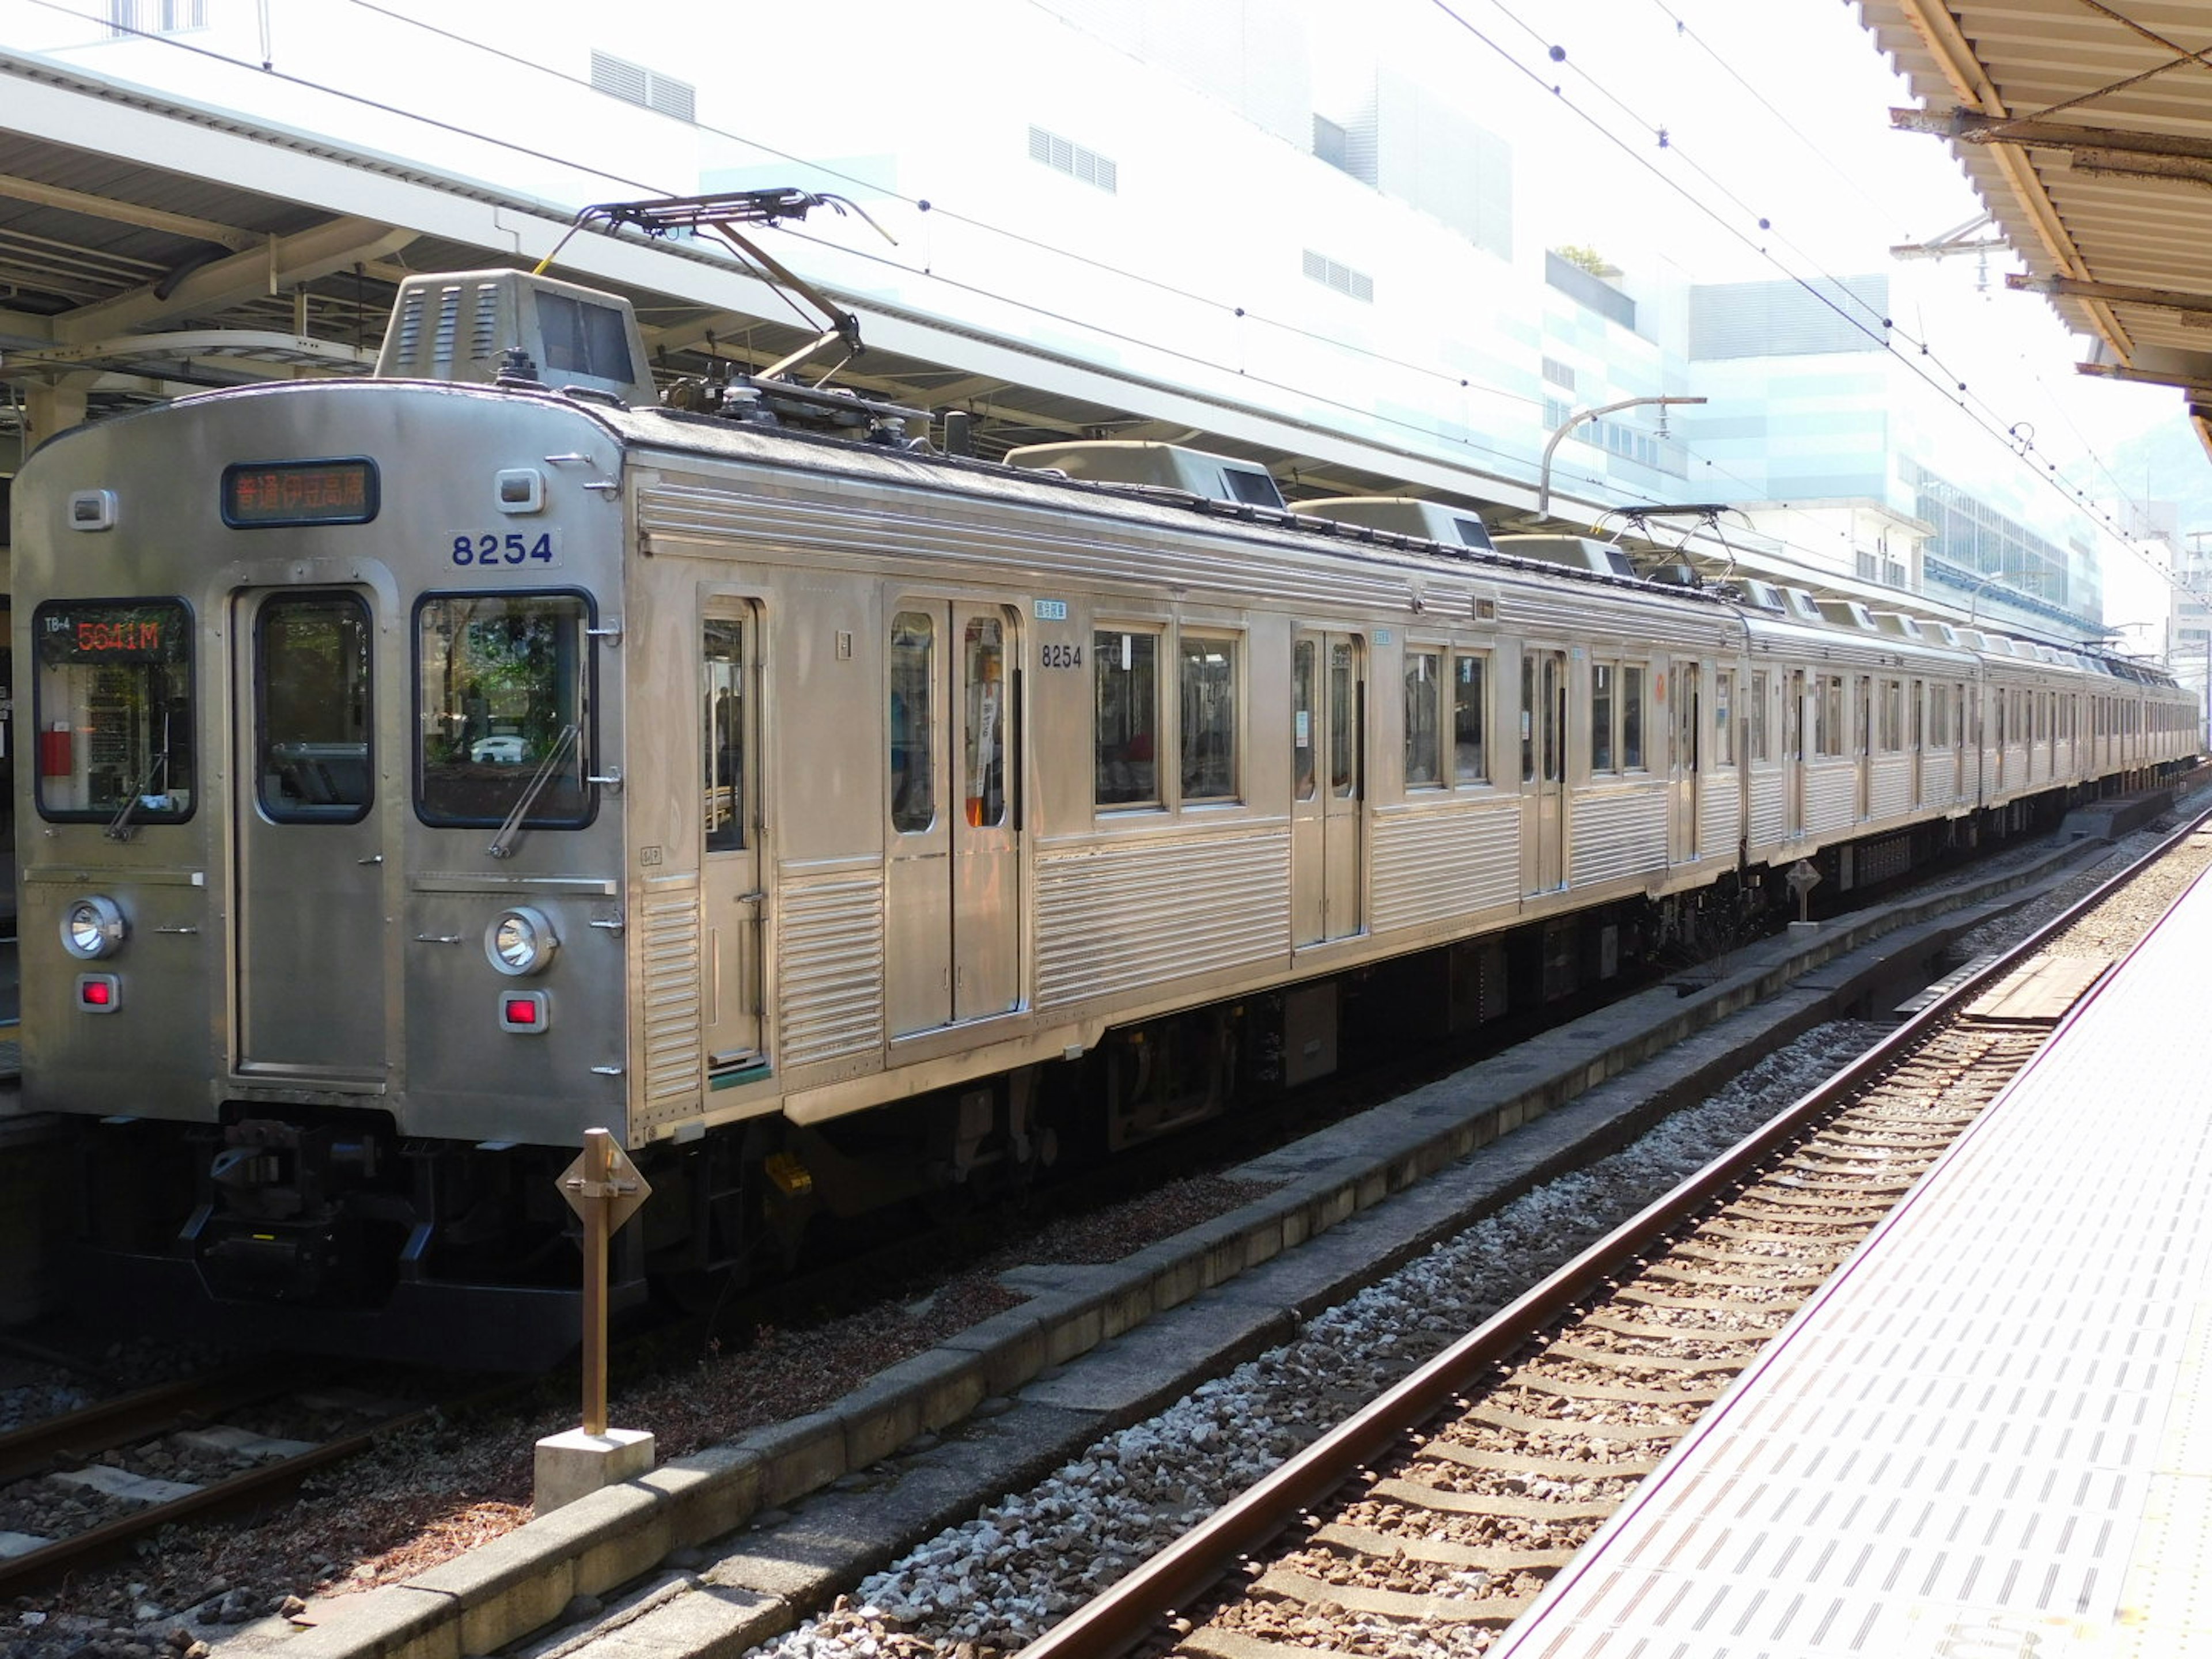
[(374, 858)]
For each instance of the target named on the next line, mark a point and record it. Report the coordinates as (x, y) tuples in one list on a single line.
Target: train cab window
[(722, 721), (1127, 717), (1470, 718), (1425, 687), (1209, 717), (112, 702), (314, 710), (503, 699), (912, 721)]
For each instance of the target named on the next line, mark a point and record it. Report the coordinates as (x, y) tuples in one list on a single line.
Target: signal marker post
[(605, 1189)]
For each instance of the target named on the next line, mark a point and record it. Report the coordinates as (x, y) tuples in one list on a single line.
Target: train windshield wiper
[(503, 842), (119, 827)]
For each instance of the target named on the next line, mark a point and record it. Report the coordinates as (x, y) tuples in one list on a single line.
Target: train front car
[(321, 887)]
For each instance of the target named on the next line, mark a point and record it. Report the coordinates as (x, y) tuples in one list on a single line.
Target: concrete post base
[(1798, 928), (573, 1464)]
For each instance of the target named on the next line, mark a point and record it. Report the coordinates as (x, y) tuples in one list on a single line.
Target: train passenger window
[(1631, 717), (983, 737), (1829, 734), (1723, 750), (1602, 716), (1470, 718), (503, 699), (114, 706), (313, 712), (1343, 717), (1760, 752), (912, 721), (1302, 677), (1209, 718), (1424, 719), (722, 722), (1893, 716), (1527, 718), (1127, 717)]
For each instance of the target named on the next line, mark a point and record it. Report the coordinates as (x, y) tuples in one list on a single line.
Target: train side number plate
[(487, 552)]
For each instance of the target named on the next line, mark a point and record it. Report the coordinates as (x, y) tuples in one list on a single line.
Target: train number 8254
[(515, 550)]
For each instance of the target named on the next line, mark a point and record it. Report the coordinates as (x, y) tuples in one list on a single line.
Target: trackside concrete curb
[(520, 1582)]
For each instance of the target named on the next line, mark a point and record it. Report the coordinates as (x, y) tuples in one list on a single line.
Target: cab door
[(730, 893), (313, 939), (952, 898), (1329, 788), (1544, 768)]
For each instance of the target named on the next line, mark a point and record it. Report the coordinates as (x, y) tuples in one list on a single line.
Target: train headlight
[(92, 927), (520, 941)]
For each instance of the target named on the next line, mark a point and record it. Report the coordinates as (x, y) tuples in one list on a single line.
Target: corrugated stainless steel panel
[(877, 521), (1436, 862), (1766, 805), (1076, 549), (1889, 795), (829, 968), (1618, 833), (1720, 814), (1832, 798), (1122, 916), (669, 989)]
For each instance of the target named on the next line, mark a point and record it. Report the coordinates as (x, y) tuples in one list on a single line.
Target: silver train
[(432, 767)]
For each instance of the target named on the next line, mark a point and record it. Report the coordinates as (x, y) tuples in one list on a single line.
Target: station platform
[(1990, 1432)]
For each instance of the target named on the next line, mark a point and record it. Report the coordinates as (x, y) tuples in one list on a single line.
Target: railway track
[(80, 1488), (1431, 1518)]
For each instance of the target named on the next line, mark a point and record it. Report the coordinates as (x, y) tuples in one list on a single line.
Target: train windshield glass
[(504, 707), (114, 711)]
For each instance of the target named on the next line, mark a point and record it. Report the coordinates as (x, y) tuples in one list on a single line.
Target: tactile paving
[(1990, 1433)]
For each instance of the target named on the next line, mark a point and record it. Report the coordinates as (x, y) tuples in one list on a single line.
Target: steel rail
[(1127, 1612), (81, 1549), (82, 1435)]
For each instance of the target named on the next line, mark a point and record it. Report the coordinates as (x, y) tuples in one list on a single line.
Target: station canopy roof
[(2087, 126)]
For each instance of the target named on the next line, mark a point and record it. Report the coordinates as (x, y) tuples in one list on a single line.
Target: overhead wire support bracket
[(722, 214)]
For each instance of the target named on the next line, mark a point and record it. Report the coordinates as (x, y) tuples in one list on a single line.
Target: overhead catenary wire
[(1954, 391)]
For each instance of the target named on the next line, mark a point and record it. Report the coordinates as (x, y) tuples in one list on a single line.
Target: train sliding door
[(952, 880), (730, 889), (1544, 769), (1793, 757), (310, 910), (1684, 763), (1328, 697)]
